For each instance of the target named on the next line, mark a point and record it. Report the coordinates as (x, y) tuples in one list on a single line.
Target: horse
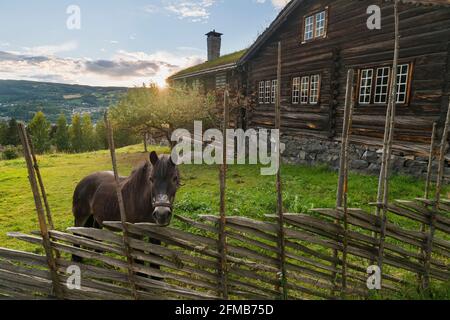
[(148, 195)]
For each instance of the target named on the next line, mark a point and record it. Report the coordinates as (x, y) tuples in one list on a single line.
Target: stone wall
[(312, 151)]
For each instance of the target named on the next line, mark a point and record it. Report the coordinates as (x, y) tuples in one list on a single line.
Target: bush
[(10, 153)]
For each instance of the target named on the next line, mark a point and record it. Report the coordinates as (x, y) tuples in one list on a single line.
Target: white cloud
[(278, 4), (51, 49), (192, 10), (122, 69)]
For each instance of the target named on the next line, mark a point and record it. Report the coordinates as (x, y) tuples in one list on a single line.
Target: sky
[(121, 43)]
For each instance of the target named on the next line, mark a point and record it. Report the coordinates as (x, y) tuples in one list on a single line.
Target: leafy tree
[(3, 128), (40, 129), (76, 134), (87, 130), (11, 137), (161, 111), (100, 135), (62, 137)]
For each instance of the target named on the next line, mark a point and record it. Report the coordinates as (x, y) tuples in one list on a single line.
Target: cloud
[(122, 69), (51, 49), (192, 10), (278, 4)]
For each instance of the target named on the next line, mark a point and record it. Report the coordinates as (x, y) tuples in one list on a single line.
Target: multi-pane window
[(315, 26), (274, 90), (304, 93), (268, 92), (365, 88), (374, 84), (296, 90), (309, 28), (314, 89), (320, 24), (305, 90), (382, 85), (402, 82), (262, 92)]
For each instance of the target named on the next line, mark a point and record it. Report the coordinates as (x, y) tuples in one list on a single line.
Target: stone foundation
[(313, 151)]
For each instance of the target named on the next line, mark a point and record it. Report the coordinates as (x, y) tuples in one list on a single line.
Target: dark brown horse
[(148, 194)]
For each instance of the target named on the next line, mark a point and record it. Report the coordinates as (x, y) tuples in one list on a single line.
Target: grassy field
[(248, 194)]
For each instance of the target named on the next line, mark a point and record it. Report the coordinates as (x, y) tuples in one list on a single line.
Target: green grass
[(249, 194)]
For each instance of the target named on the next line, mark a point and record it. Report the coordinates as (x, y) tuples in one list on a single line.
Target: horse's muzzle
[(162, 216)]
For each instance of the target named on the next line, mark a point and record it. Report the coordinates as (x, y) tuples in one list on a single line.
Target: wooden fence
[(189, 260)]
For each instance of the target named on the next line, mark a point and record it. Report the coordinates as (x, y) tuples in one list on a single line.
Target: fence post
[(222, 221), (57, 289), (281, 233), (383, 183), (123, 217), (434, 211), (430, 162), (342, 192)]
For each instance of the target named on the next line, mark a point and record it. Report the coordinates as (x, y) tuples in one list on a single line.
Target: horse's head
[(165, 180)]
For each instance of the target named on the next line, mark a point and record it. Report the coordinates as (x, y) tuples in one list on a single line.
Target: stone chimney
[(214, 44)]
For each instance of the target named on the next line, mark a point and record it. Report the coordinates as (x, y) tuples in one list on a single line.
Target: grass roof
[(223, 60)]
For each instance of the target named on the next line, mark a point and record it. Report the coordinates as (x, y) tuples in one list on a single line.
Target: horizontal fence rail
[(185, 265)]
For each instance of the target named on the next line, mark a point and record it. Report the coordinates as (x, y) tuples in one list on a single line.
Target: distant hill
[(22, 99)]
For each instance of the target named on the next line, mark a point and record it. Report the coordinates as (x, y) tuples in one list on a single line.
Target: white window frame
[(274, 91), (366, 83), (320, 24), (296, 90), (314, 88), (381, 94), (268, 92), (309, 28), (262, 92), (402, 80), (304, 90)]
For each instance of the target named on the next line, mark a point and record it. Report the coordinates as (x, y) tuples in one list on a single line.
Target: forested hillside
[(22, 99)]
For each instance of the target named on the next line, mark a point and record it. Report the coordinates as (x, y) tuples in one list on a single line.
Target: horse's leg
[(82, 223), (152, 265)]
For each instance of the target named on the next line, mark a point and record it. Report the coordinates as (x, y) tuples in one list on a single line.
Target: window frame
[(296, 86), (262, 92), (305, 100), (273, 91), (268, 91), (375, 67), (314, 15)]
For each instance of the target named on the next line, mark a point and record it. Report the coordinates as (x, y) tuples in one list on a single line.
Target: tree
[(100, 135), (161, 111), (39, 130), (12, 134), (3, 129), (62, 138), (76, 135), (87, 131)]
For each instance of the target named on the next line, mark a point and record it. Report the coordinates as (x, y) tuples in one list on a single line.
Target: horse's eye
[(151, 180)]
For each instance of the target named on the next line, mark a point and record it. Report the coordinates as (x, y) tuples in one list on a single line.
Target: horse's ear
[(154, 158)]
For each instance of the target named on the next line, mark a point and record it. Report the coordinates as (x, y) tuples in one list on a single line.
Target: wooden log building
[(321, 40)]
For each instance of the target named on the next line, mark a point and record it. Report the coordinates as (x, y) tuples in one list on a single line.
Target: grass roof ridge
[(223, 60)]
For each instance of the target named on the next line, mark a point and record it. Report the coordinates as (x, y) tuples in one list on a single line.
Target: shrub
[(11, 153)]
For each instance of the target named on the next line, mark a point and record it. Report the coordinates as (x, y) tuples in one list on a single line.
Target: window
[(261, 92), (365, 88), (304, 90), (309, 28), (315, 26), (296, 90), (320, 24), (374, 84), (268, 93), (314, 89), (382, 85), (274, 91), (221, 81), (402, 83)]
